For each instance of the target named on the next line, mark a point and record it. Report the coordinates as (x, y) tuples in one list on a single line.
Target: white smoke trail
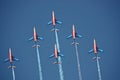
[(60, 69), (78, 62), (39, 64), (98, 66), (13, 73), (59, 58)]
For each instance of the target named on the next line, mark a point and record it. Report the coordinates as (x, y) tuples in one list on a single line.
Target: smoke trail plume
[(60, 69), (98, 66), (39, 64), (13, 73), (59, 58), (78, 62)]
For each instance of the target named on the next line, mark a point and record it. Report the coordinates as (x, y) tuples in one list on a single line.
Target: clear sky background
[(98, 19)]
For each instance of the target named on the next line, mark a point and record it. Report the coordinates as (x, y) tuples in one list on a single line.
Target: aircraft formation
[(56, 53)]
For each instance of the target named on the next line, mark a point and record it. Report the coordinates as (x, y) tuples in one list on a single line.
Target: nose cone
[(9, 50), (73, 27), (53, 13), (94, 41), (34, 29)]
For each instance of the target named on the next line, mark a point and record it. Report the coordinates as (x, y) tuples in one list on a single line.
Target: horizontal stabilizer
[(75, 43), (95, 58), (34, 46), (12, 67), (57, 63), (54, 29)]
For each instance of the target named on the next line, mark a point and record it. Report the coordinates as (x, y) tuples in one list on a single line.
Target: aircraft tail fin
[(11, 66), (54, 29), (95, 58), (57, 63), (34, 46)]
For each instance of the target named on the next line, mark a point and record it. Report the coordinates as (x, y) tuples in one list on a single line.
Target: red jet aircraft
[(74, 34), (11, 59), (56, 55), (54, 21)]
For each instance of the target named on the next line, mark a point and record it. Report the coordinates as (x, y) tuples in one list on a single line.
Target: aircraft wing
[(58, 22), (51, 56), (60, 55), (6, 60), (91, 51), (40, 38), (15, 59), (100, 50), (69, 36), (50, 22), (79, 36), (30, 39)]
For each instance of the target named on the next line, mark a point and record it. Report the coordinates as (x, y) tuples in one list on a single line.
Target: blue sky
[(93, 19)]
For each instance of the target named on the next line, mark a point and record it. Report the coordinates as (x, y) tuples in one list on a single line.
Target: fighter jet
[(95, 49), (35, 37), (74, 34), (56, 55), (54, 21), (10, 59)]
